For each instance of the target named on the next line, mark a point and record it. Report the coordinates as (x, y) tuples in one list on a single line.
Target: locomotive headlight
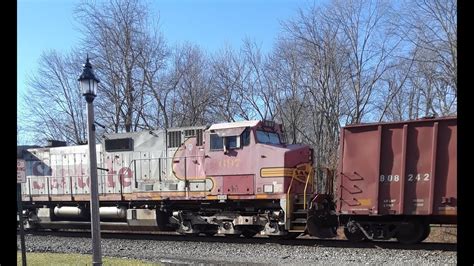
[(268, 123)]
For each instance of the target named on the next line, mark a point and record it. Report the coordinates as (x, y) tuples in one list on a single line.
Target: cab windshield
[(268, 137)]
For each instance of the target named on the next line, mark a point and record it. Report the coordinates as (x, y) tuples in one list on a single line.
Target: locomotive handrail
[(48, 183), (134, 162), (159, 158), (288, 198), (299, 180), (48, 180), (310, 176)]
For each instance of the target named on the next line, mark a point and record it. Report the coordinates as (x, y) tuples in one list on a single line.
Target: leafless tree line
[(335, 64)]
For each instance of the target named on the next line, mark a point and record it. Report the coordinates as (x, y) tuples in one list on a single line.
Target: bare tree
[(363, 26), (285, 69), (434, 31), (228, 75), (126, 55), (393, 104), (242, 85), (324, 74), (55, 108), (256, 90), (191, 93), (152, 61), (430, 38), (334, 64)]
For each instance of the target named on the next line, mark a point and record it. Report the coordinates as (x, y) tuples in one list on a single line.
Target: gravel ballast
[(195, 251)]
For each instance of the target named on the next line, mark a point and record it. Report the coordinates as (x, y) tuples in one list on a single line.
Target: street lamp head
[(88, 81)]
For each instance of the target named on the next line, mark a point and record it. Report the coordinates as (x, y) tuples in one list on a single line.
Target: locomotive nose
[(298, 154)]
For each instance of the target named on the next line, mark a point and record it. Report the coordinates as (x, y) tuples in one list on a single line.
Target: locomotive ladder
[(297, 210)]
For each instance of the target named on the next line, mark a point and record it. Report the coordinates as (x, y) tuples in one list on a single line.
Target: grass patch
[(36, 258)]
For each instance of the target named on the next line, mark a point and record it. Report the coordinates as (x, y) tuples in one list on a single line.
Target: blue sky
[(50, 25)]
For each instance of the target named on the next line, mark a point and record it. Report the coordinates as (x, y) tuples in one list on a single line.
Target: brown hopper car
[(397, 178)]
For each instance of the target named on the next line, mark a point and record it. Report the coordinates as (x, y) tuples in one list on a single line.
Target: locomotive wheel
[(291, 235), (288, 236), (411, 232), (207, 230), (249, 233), (354, 234), (209, 234), (232, 235)]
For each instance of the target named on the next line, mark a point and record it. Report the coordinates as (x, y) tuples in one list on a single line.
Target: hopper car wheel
[(209, 234), (426, 231), (411, 232), (353, 234)]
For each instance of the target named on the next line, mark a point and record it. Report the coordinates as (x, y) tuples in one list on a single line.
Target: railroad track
[(300, 241)]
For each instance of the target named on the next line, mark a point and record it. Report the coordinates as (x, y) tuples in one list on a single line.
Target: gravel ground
[(200, 252)]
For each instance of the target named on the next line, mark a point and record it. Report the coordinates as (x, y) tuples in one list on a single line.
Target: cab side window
[(231, 142), (245, 137), (216, 142)]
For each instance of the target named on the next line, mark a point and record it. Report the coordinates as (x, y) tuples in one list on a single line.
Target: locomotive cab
[(249, 162), (255, 153)]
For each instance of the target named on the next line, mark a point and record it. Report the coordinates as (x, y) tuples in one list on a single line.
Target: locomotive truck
[(241, 178)]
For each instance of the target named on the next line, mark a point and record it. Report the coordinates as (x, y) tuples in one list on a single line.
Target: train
[(242, 178)]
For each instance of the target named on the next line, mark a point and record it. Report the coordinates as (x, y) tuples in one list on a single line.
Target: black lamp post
[(89, 83)]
